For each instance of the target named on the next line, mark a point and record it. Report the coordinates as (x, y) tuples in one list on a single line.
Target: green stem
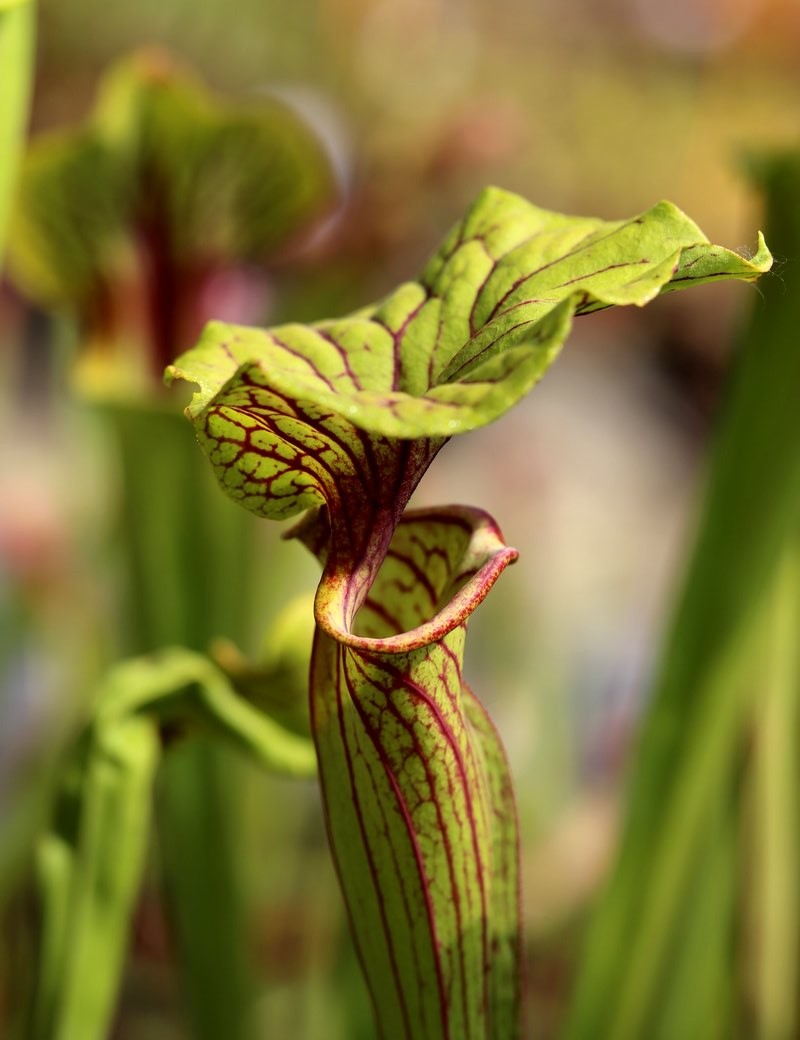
[(187, 563), (90, 867), (776, 838), (17, 29)]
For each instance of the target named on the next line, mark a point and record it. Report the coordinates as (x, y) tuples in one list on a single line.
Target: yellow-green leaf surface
[(342, 418), (488, 315), (277, 681), (177, 684)]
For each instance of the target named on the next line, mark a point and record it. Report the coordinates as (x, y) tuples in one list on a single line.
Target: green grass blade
[(91, 865), (774, 906), (17, 26)]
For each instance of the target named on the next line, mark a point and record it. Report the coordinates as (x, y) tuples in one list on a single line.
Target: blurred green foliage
[(696, 935), (92, 857), (136, 225)]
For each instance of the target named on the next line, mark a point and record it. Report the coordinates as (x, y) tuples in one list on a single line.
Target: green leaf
[(192, 697), (231, 182), (17, 26), (185, 686), (416, 787), (310, 415), (277, 682), (459, 347), (775, 828), (66, 244)]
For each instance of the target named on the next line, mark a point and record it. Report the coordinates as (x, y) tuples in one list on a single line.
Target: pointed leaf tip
[(762, 259)]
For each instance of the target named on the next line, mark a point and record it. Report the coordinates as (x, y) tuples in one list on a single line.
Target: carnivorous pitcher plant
[(341, 419)]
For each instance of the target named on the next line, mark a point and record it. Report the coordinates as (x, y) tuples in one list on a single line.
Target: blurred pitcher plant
[(170, 205)]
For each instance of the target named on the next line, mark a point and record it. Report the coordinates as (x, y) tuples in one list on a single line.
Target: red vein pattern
[(417, 792), (342, 418), (487, 317)]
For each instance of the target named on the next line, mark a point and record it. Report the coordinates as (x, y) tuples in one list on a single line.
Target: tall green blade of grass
[(90, 865), (774, 904), (16, 63), (724, 682)]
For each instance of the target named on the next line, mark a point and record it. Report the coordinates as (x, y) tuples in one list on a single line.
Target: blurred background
[(598, 108)]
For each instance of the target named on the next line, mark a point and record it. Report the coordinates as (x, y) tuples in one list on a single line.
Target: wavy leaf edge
[(480, 374)]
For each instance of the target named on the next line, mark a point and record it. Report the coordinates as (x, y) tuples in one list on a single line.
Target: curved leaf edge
[(484, 560), (470, 392)]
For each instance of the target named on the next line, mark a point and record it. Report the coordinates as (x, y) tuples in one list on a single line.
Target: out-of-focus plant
[(697, 934), (92, 857), (167, 206), (342, 418), (16, 63)]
